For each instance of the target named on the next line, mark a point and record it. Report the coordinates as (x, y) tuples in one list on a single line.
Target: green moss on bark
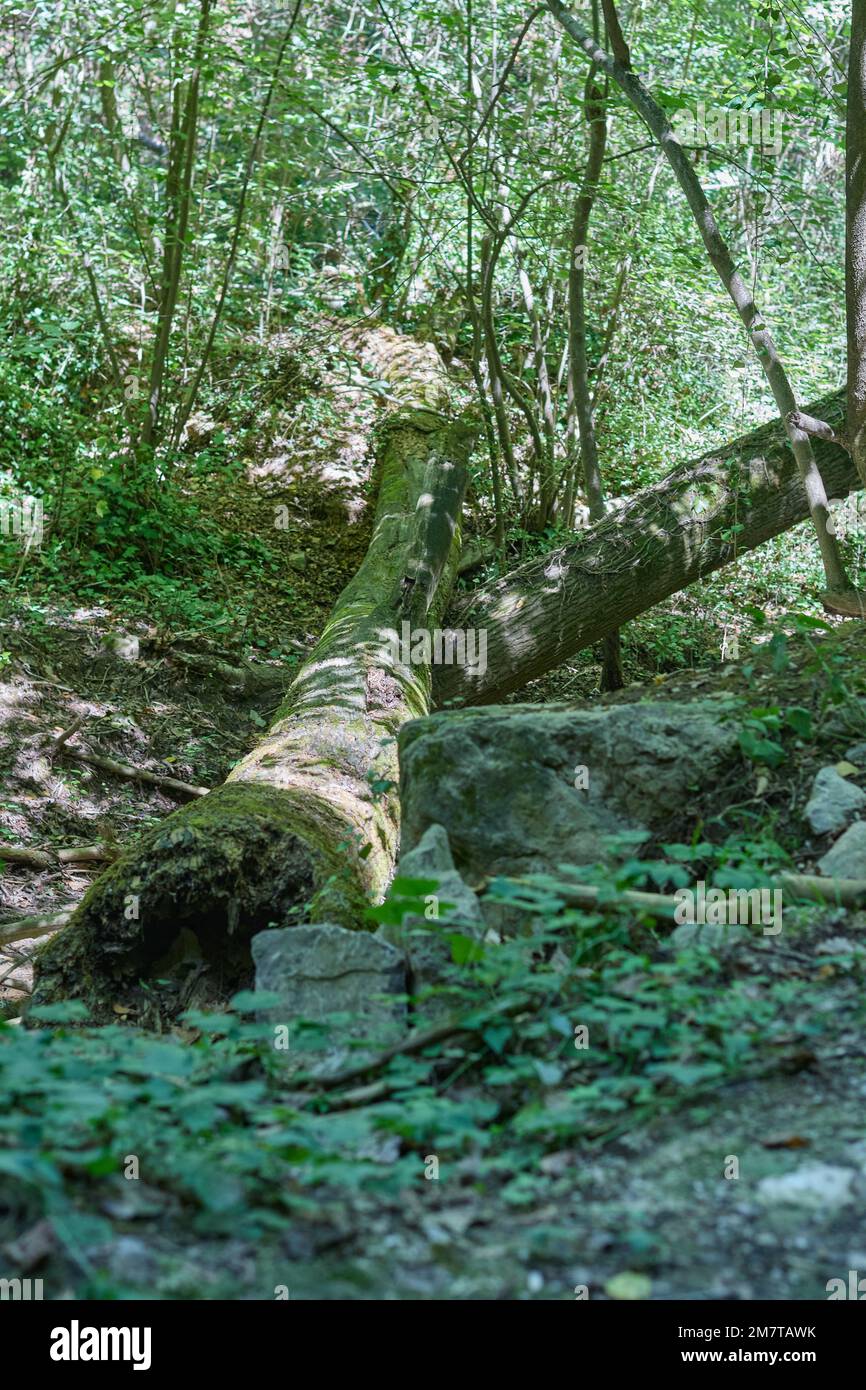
[(222, 868)]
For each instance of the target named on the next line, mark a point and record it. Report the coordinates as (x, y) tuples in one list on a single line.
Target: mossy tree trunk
[(702, 516), (312, 812)]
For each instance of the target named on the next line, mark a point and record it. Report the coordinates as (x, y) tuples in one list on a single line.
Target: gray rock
[(856, 754), (423, 939), (325, 969), (833, 802), (430, 857), (522, 788), (455, 901), (816, 1186), (847, 858)]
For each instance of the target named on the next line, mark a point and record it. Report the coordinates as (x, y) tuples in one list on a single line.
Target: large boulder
[(523, 788)]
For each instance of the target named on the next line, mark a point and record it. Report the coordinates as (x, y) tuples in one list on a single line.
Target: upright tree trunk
[(544, 395), (855, 237), (700, 518), (596, 117), (181, 162), (313, 809)]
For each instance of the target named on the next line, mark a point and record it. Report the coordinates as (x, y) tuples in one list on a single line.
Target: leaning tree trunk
[(312, 812), (701, 517), (718, 252)]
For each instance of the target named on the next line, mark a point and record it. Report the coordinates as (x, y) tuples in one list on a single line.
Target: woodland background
[(240, 243)]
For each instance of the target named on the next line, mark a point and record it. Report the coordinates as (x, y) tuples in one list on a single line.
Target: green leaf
[(464, 950), (800, 721), (761, 750), (496, 1036), (550, 1073), (412, 887)]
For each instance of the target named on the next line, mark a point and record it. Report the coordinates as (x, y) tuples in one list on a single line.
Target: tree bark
[(668, 536), (595, 111), (181, 163), (313, 809)]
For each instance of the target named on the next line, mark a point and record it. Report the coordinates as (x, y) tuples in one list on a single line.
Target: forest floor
[(636, 1208), (644, 1210)]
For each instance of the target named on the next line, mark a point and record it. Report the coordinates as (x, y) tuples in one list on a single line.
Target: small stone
[(816, 1186), (838, 946), (833, 803), (131, 1262), (856, 754), (430, 857), (629, 1287), (847, 858)]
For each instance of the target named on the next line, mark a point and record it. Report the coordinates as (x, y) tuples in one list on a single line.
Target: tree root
[(847, 603)]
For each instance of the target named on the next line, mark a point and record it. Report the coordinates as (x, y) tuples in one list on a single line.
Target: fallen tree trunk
[(312, 810), (703, 516)]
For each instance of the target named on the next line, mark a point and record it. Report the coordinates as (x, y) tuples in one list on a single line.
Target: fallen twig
[(25, 927), (67, 733), (416, 1043), (846, 892), (87, 854), (247, 679), (19, 959), (49, 859), (135, 774), (21, 854)]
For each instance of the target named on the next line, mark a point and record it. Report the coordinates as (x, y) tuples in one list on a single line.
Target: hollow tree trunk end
[(197, 886)]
